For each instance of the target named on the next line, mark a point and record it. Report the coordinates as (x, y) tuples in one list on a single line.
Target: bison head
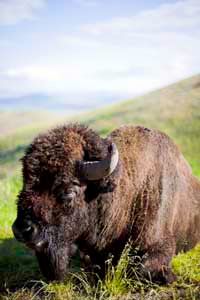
[(53, 206)]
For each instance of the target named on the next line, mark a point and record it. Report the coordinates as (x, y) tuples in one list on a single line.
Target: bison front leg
[(156, 262)]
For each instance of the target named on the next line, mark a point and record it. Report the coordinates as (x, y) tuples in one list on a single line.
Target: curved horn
[(95, 170)]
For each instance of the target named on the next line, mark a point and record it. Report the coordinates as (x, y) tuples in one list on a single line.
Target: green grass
[(174, 110), (9, 188)]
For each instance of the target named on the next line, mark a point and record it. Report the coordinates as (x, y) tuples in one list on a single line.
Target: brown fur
[(151, 198)]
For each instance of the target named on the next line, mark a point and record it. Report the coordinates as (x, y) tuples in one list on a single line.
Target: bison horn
[(95, 170)]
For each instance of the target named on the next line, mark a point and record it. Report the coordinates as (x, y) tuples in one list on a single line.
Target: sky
[(88, 50)]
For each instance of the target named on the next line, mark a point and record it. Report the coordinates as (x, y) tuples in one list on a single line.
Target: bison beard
[(53, 262), (80, 189)]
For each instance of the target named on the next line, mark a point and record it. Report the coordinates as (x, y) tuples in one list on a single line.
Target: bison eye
[(70, 195)]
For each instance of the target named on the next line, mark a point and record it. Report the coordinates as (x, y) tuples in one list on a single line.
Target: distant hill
[(70, 103), (174, 109), (12, 121)]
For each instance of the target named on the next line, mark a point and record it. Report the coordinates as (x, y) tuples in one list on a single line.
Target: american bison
[(95, 194)]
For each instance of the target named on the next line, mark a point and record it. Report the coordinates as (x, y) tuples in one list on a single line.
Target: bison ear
[(97, 170), (94, 189), (101, 187)]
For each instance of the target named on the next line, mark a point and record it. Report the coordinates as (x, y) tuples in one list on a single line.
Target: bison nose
[(25, 231)]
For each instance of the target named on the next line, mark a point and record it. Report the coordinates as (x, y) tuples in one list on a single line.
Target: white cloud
[(14, 11), (35, 73), (123, 56), (160, 44), (42, 78), (79, 41), (165, 18)]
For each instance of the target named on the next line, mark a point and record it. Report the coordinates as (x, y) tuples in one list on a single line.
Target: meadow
[(174, 110)]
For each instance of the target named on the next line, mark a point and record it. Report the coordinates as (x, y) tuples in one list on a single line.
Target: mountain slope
[(174, 109)]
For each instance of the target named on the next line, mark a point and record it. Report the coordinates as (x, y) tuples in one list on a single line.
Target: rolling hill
[(174, 109)]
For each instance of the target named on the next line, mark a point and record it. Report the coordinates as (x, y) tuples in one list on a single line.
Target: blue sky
[(80, 49)]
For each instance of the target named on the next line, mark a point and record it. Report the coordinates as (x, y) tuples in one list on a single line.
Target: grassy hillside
[(175, 110)]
